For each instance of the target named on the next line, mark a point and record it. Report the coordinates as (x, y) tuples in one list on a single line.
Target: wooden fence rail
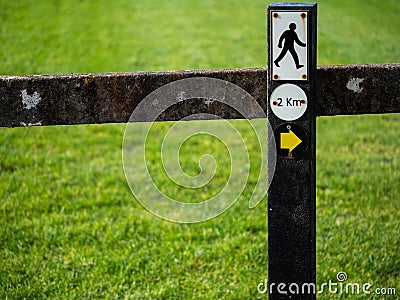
[(112, 97)]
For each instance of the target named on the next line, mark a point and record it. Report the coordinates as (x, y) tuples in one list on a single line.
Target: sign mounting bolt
[(304, 76), (276, 77), (275, 15)]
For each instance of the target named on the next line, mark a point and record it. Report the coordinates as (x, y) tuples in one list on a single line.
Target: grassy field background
[(69, 226)]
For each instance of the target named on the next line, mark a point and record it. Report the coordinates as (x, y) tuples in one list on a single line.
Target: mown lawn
[(69, 225)]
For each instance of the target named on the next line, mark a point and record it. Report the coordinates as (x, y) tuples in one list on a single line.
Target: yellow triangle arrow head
[(289, 140)]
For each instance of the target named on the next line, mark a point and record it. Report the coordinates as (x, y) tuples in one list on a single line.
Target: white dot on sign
[(288, 102)]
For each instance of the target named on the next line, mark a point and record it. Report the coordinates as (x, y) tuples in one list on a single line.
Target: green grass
[(39, 37), (69, 225), (358, 199)]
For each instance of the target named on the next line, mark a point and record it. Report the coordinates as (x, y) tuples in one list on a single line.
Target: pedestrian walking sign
[(289, 45)]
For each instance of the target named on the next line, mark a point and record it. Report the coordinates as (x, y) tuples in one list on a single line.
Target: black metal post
[(292, 39)]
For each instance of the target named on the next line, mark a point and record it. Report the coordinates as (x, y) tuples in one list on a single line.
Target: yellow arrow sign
[(289, 140)]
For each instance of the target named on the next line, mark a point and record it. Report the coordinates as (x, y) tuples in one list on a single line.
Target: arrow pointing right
[(289, 140)]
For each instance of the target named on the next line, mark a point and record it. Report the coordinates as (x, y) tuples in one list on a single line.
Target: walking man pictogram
[(290, 36)]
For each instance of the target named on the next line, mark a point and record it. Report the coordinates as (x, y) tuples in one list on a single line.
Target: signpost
[(292, 37), (43, 100)]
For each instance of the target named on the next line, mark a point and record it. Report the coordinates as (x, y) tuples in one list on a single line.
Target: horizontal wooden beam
[(358, 89), (112, 97)]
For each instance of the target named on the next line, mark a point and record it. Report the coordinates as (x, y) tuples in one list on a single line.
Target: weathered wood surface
[(112, 97)]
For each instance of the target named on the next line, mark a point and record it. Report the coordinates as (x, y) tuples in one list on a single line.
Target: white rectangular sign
[(289, 59)]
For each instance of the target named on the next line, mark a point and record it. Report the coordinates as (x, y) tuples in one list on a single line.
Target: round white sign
[(288, 102)]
